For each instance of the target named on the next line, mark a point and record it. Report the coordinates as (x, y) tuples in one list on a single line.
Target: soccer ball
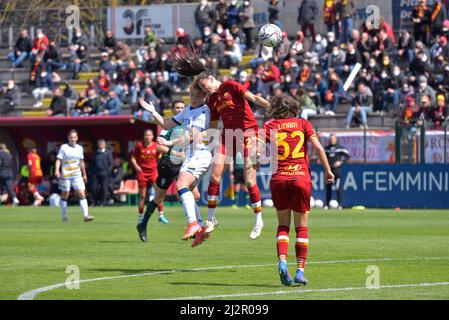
[(55, 200), (268, 203), (333, 204), (312, 202), (319, 203), (270, 35)]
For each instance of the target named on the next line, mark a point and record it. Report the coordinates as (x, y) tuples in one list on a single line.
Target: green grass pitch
[(410, 248)]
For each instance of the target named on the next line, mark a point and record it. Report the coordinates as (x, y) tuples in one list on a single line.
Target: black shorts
[(239, 176), (167, 172)]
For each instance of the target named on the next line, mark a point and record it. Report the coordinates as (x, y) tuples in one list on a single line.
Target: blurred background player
[(6, 173), (70, 170), (195, 120), (291, 184), (144, 160), (168, 168), (35, 171), (337, 156), (27, 193), (228, 101), (237, 174)]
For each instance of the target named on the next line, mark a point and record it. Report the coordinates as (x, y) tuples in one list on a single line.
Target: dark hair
[(72, 131), (186, 62), (176, 102), (284, 107)]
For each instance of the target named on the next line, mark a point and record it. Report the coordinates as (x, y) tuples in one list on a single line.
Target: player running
[(195, 120), (70, 160), (291, 184), (228, 101), (144, 160), (168, 168)]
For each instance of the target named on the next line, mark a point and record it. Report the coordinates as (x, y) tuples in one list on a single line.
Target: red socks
[(254, 195), (301, 245), (282, 242), (212, 195)]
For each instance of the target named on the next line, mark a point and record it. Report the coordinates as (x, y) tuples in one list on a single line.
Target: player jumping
[(168, 168), (144, 160), (71, 156), (195, 120), (291, 184), (228, 101)]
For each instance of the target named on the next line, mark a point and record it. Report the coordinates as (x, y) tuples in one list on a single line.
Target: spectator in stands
[(247, 18), (11, 97), (405, 92), (424, 89), (233, 14), (21, 50), (440, 112), (103, 82), (274, 11), (307, 13), (69, 94), (102, 165), (420, 17), (214, 52), (204, 16), (409, 111), (79, 39), (395, 83), (40, 44), (52, 60), (163, 91), (93, 104), (152, 63), (437, 16), (220, 12), (182, 38), (58, 105), (336, 60), (345, 12), (352, 57), (44, 86), (308, 107), (80, 61), (112, 106), (109, 42), (80, 104), (122, 53), (330, 17), (425, 115), (144, 115), (231, 55), (106, 64), (362, 104), (406, 47)]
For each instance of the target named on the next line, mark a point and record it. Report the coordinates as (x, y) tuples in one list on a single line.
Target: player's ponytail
[(187, 62)]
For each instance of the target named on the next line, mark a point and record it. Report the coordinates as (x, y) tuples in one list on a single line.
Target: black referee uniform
[(334, 153)]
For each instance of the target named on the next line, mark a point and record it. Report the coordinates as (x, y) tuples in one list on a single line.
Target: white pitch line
[(256, 294), (32, 294)]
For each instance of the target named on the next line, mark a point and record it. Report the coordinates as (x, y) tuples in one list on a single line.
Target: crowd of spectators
[(405, 74)]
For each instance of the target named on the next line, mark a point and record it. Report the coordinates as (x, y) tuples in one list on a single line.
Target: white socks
[(63, 208), (258, 218), (198, 215), (188, 203), (84, 207)]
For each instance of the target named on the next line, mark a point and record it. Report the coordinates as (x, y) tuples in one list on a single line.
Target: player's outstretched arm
[(323, 159), (164, 123), (261, 102)]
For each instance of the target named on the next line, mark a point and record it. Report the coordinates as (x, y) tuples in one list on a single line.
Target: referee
[(337, 156)]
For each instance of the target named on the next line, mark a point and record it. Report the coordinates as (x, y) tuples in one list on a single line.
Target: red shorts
[(35, 180), (291, 194), (246, 146), (145, 180)]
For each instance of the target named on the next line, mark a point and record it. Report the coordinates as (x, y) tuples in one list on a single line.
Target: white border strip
[(256, 294), (32, 294)]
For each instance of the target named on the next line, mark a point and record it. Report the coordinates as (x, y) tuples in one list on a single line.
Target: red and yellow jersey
[(230, 104), (290, 137), (34, 163), (146, 156)]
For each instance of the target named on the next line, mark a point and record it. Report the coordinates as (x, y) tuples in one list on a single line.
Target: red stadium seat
[(131, 189)]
